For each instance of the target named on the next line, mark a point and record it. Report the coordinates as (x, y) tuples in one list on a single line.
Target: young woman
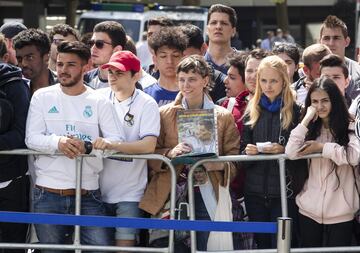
[(193, 75), (330, 196), (269, 117)]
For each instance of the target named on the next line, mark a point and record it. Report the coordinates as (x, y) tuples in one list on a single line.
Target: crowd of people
[(63, 93)]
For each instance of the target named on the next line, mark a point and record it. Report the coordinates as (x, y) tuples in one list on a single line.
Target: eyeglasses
[(98, 43), (57, 41)]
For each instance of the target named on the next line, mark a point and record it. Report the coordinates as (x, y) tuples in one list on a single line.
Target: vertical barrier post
[(172, 205), (283, 235), (79, 162), (284, 209), (192, 206)]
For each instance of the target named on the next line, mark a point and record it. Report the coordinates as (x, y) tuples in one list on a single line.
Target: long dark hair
[(339, 117)]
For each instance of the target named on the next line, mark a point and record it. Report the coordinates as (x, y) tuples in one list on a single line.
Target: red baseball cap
[(123, 61)]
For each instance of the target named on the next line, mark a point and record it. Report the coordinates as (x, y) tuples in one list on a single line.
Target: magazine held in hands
[(198, 129)]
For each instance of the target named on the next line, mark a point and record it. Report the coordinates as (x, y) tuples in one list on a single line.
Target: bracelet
[(88, 147)]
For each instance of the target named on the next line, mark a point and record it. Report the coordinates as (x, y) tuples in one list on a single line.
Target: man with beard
[(32, 53), (66, 118)]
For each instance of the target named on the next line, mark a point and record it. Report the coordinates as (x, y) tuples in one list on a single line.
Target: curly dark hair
[(171, 37), (33, 37), (64, 30)]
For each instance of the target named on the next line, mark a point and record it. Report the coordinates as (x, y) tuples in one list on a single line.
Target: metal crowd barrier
[(76, 245), (283, 228), (284, 222)]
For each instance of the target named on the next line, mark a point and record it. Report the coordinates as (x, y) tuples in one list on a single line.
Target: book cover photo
[(197, 128)]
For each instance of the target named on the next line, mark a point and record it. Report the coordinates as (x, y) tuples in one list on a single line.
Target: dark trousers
[(268, 210), (314, 234), (14, 197)]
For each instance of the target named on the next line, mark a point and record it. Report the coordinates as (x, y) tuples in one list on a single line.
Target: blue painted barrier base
[(105, 221)]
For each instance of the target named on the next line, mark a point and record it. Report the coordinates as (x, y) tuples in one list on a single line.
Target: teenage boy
[(221, 28), (66, 118), (311, 58), (168, 45), (58, 34), (197, 46), (334, 34), (333, 67), (123, 183), (252, 63)]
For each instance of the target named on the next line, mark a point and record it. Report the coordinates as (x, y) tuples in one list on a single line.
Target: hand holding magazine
[(197, 128)]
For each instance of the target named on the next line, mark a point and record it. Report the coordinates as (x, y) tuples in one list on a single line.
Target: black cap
[(10, 29)]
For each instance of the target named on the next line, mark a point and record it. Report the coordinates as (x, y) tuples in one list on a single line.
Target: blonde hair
[(253, 109)]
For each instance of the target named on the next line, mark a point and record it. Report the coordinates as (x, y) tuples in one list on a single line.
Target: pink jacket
[(326, 198)]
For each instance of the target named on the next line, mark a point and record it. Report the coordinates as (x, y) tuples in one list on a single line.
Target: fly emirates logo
[(71, 130)]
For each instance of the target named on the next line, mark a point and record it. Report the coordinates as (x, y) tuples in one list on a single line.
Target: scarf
[(271, 106)]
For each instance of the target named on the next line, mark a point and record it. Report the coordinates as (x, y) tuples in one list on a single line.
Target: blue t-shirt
[(161, 95)]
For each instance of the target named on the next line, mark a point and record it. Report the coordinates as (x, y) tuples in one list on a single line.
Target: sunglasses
[(98, 43)]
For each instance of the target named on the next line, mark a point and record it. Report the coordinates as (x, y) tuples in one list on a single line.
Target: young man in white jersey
[(66, 118), (123, 183)]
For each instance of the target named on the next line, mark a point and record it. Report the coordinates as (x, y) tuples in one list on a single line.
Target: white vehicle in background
[(134, 18)]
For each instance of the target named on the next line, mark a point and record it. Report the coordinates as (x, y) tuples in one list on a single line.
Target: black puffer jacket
[(262, 177), (17, 93)]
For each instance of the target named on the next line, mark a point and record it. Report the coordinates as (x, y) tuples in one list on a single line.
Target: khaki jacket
[(158, 189)]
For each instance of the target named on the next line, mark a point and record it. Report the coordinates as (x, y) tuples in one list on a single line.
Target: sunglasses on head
[(98, 43), (57, 41)]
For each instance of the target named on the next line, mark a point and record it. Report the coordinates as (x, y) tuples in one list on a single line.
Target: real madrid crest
[(87, 111)]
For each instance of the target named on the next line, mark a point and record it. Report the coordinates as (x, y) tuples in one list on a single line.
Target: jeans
[(124, 210), (91, 204)]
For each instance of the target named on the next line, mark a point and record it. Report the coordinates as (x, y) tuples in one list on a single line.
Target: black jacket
[(262, 177), (17, 92)]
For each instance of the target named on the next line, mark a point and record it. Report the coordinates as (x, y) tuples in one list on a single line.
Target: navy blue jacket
[(17, 92)]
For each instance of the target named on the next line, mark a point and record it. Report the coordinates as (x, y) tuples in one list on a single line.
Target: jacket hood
[(8, 71)]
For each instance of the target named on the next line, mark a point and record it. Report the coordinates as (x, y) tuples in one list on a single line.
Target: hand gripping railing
[(284, 222), (76, 245), (282, 228)]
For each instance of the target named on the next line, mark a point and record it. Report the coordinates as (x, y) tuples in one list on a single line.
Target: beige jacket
[(158, 189)]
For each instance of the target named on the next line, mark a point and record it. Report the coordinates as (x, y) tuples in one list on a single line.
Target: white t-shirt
[(53, 114), (126, 180)]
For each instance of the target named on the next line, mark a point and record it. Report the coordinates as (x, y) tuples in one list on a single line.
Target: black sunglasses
[(98, 43)]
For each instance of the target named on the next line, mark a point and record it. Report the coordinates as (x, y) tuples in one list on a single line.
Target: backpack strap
[(231, 104)]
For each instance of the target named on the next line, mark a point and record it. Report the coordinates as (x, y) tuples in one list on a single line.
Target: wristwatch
[(88, 147)]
